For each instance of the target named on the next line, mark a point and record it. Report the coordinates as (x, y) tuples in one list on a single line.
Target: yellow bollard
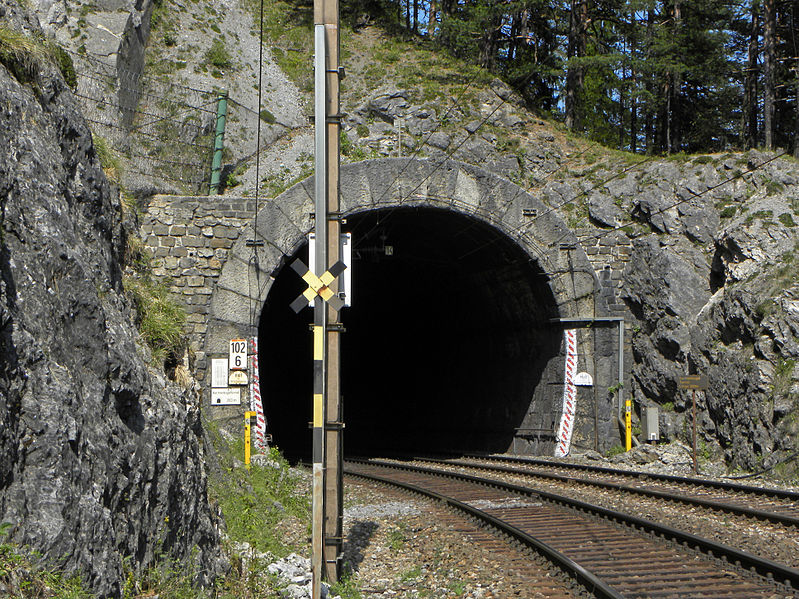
[(628, 425), (247, 416)]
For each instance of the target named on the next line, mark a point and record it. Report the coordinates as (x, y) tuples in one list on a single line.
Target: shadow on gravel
[(360, 534)]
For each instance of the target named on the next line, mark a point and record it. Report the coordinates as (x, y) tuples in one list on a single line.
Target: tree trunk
[(769, 26), (574, 74), (622, 102), (796, 113), (795, 29), (667, 125), (634, 86), (750, 82), (489, 41), (432, 22), (634, 114), (519, 33), (649, 130), (676, 84)]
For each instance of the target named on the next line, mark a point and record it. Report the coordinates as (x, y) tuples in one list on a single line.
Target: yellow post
[(247, 416), (628, 425)]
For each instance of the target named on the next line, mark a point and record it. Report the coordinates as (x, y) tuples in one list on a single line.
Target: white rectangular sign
[(226, 397), (238, 354), (219, 373), (345, 279)]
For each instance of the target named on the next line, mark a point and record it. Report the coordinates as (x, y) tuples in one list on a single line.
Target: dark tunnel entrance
[(446, 343)]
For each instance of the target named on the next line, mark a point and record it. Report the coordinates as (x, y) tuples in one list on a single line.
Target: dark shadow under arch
[(448, 343)]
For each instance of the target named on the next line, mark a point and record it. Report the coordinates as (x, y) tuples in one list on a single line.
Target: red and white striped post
[(256, 404)]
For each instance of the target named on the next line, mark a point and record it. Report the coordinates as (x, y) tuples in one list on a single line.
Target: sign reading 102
[(238, 354)]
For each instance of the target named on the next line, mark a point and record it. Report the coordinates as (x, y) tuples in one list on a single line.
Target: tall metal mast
[(327, 487)]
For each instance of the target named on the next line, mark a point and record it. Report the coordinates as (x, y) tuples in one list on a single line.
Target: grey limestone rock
[(439, 140), (601, 208), (101, 456), (389, 105)]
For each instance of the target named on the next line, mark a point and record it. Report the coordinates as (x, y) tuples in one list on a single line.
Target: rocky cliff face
[(713, 290), (100, 457)]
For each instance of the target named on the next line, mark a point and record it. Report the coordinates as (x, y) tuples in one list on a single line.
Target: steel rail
[(590, 581), (767, 569), (775, 517), (727, 486)]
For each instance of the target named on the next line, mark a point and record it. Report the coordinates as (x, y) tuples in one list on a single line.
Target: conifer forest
[(647, 76)]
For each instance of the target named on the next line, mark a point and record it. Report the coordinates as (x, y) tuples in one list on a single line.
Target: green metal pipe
[(219, 142)]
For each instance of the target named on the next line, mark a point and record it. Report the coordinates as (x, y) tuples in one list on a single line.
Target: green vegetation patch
[(159, 317), (254, 502), (109, 159), (24, 55), (267, 117), (786, 219), (288, 30), (21, 575), (217, 55)]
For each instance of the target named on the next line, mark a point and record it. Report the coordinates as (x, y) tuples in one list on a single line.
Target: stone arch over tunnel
[(450, 342)]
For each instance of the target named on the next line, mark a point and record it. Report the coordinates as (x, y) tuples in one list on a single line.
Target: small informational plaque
[(237, 377), (219, 373), (226, 397), (238, 354), (693, 381), (583, 379)]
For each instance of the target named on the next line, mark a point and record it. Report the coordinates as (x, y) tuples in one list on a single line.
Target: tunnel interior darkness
[(446, 343)]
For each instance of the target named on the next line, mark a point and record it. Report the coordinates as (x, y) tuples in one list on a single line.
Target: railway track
[(610, 553), (769, 505), (773, 505)]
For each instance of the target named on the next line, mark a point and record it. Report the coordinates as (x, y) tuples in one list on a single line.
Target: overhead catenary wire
[(160, 118), (254, 253), (121, 72), (449, 156), (179, 160), (164, 176), (438, 165), (178, 142), (568, 201), (108, 79)]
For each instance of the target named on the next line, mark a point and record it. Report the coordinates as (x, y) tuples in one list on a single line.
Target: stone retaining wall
[(190, 237)]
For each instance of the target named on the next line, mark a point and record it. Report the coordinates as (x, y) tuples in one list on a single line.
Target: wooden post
[(328, 235), (334, 497)]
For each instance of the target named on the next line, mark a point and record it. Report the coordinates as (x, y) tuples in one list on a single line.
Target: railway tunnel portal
[(454, 340)]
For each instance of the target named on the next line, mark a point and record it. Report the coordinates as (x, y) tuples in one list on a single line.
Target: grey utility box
[(650, 424)]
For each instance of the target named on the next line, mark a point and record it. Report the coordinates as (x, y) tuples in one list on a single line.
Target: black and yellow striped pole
[(319, 291), (327, 494)]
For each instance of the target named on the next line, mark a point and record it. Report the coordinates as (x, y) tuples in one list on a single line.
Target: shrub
[(159, 317), (23, 56), (217, 55), (267, 117), (109, 160), (254, 501)]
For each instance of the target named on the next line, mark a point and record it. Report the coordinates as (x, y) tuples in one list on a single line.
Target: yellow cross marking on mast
[(318, 285)]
